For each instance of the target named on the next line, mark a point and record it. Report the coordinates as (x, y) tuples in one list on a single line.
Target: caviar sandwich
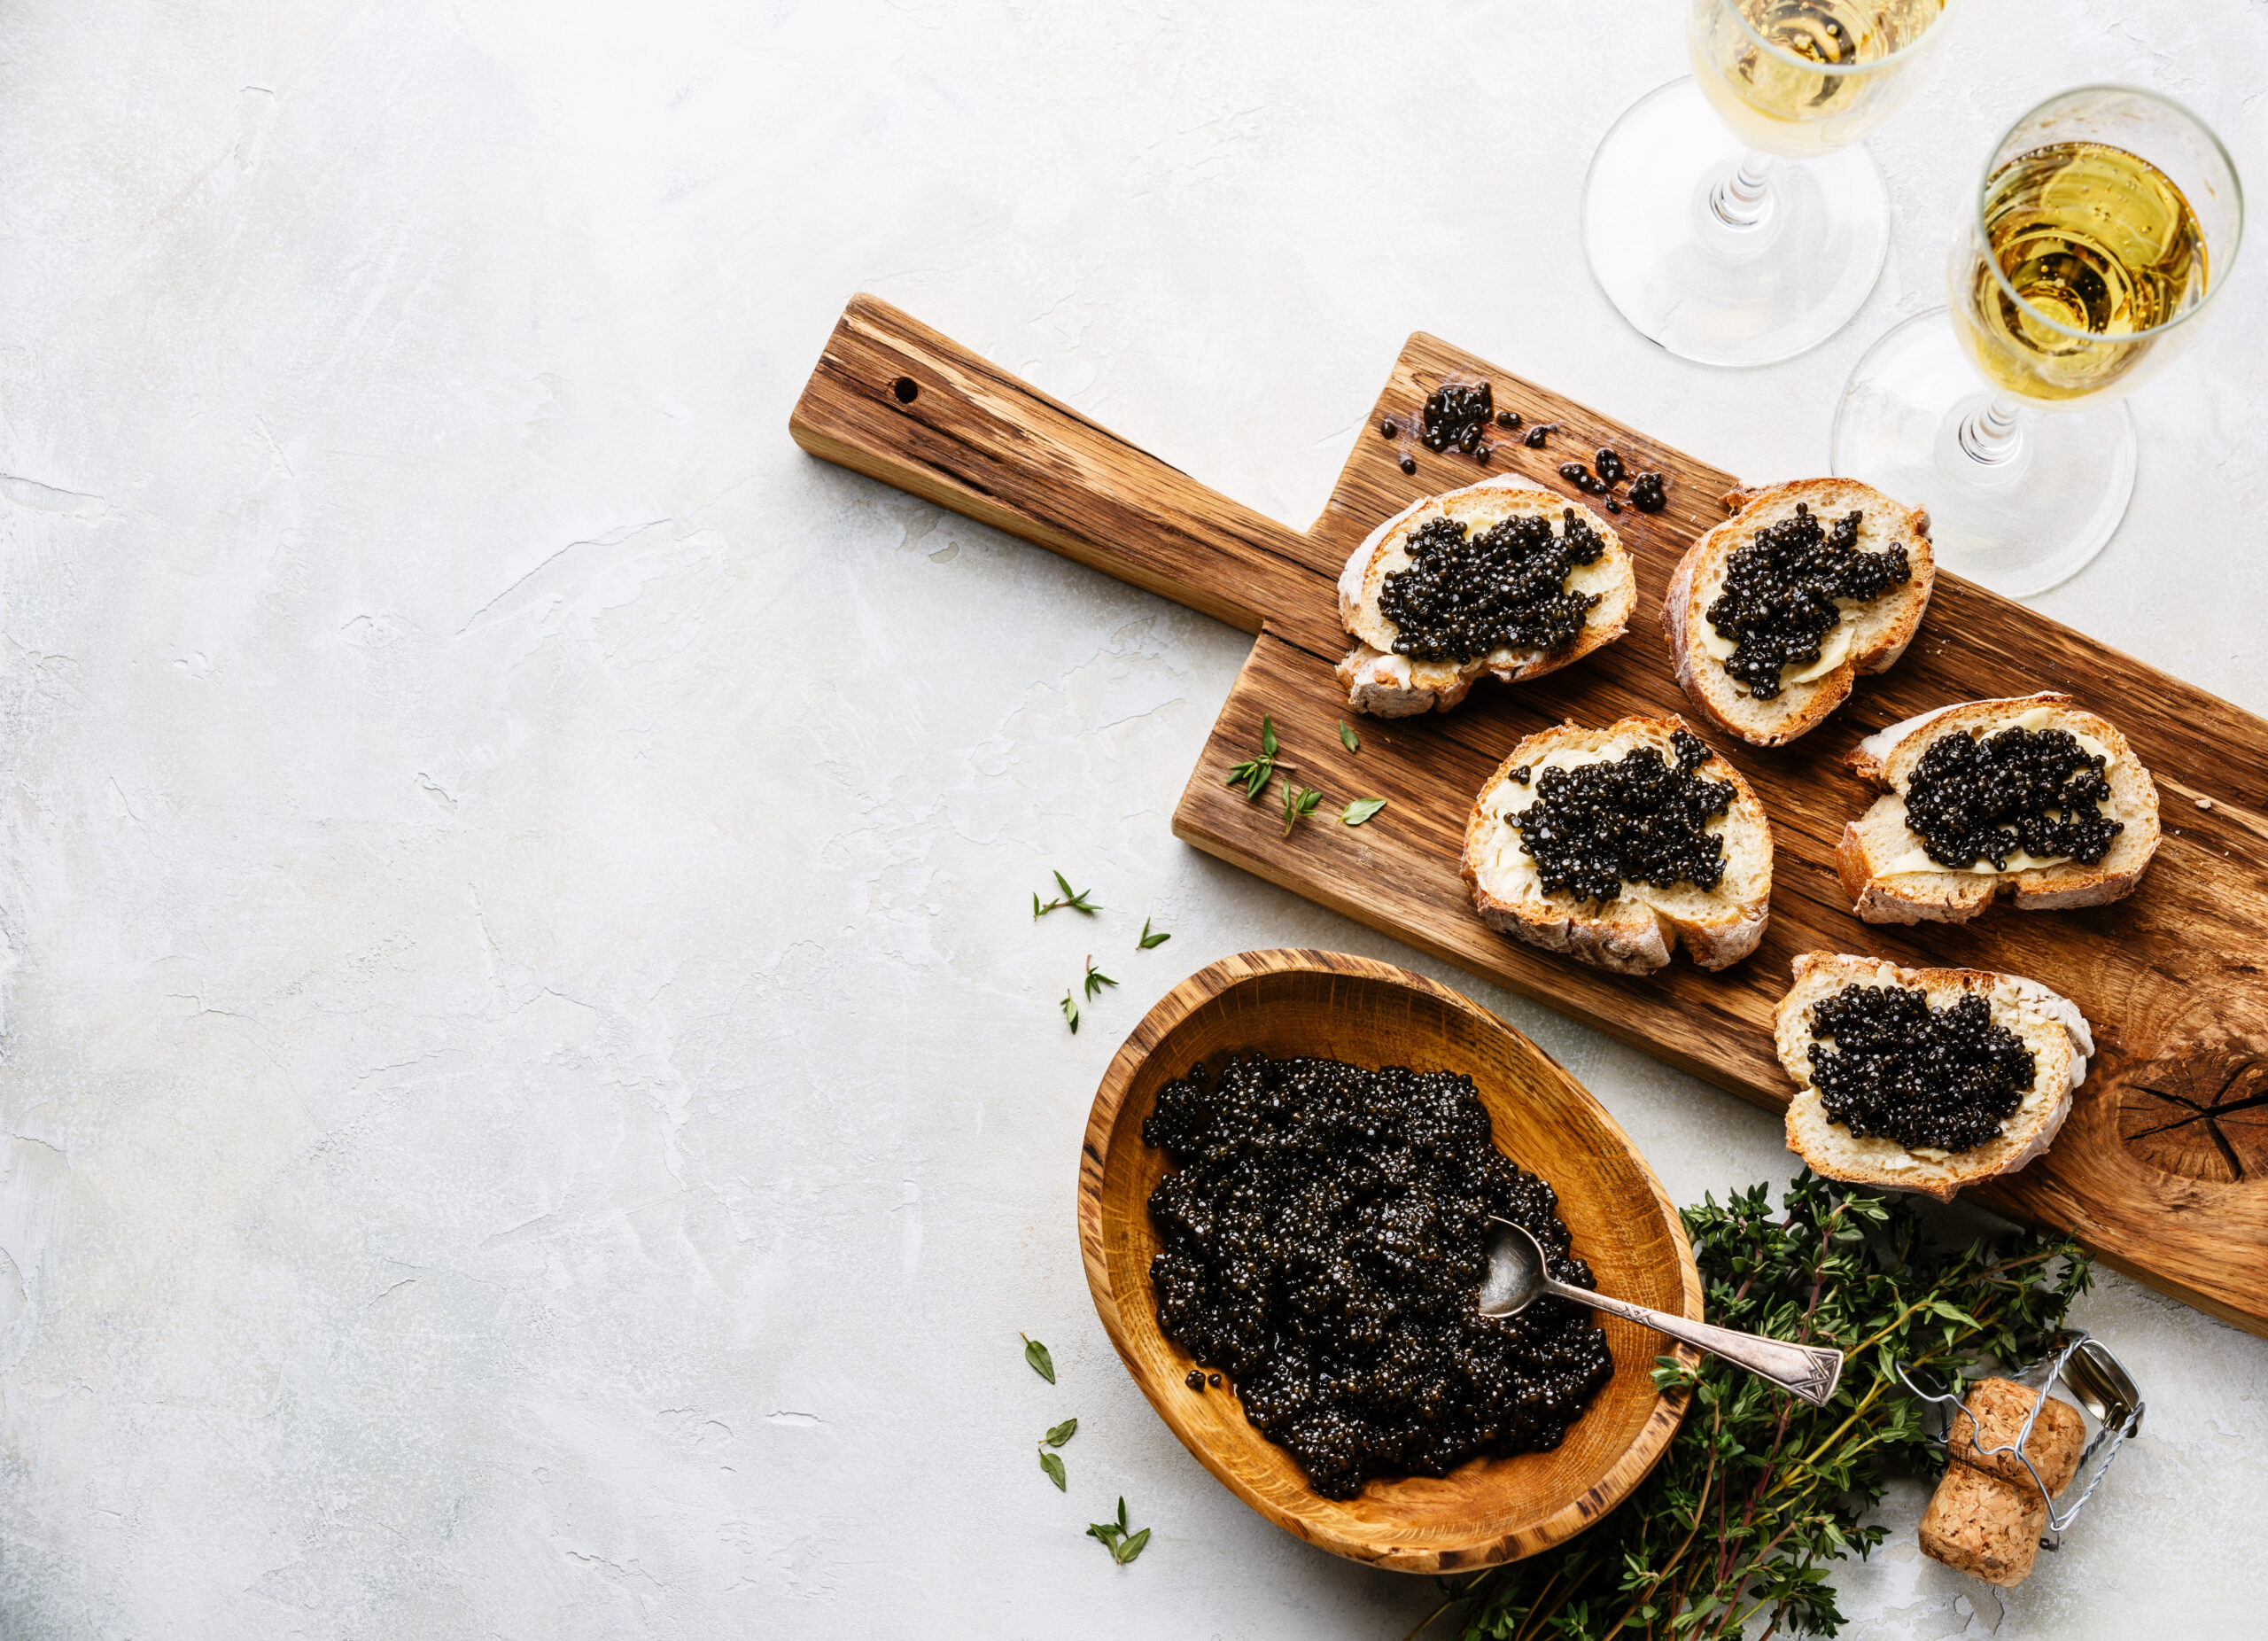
[(1497, 578), (1613, 844), (2030, 797), (1924, 1079), (1773, 613)]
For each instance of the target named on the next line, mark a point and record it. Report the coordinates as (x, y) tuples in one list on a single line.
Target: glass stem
[(1991, 436), (1744, 200)]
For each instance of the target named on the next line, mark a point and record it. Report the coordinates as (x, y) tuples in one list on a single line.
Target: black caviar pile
[(1975, 798), (1946, 1077), (1778, 603), (1456, 416), (1462, 595), (1638, 819), (1324, 1240)]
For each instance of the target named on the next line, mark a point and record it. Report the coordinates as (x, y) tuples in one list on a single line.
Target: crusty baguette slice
[(1387, 685), (1878, 630), (1632, 934), (2049, 1023), (1880, 839)]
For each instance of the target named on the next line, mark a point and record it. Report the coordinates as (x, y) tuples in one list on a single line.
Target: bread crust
[(1873, 842), (1879, 637), (1628, 936), (1386, 685), (2059, 1036)]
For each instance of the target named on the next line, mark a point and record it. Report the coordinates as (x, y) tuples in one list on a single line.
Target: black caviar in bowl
[(1323, 1243)]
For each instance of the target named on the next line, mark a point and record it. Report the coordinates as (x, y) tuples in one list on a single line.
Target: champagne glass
[(2107, 221), (1697, 223)]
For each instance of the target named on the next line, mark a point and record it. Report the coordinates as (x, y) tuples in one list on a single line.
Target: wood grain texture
[(1299, 1002), (2173, 973)]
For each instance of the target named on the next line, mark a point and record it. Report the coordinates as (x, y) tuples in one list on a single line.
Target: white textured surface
[(534, 1101)]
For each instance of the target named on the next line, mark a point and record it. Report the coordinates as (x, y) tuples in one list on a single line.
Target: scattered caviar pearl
[(1901, 1070), (1213, 1379), (1646, 494), (1408, 464), (1535, 435), (1482, 455), (1322, 1240), (1196, 1379), (1390, 428), (1508, 418)]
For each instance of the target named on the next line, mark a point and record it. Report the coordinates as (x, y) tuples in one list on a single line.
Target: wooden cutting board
[(2161, 1169)]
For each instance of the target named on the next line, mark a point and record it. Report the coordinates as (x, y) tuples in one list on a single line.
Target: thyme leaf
[(1070, 1009), (1095, 980), (1759, 1495), (1062, 1433), (1053, 1466), (1348, 738), (1036, 1353), (1149, 939), (1361, 810)]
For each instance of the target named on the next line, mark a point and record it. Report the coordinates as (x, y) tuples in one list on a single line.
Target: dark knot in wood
[(2201, 1112)]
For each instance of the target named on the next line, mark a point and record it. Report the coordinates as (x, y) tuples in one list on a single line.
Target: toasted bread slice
[(2049, 1023), (1387, 685), (1633, 933), (1869, 638), (1877, 857)]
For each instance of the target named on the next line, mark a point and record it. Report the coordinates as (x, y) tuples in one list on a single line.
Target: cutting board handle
[(896, 400)]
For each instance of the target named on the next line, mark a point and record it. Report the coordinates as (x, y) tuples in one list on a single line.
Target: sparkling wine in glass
[(2106, 220), (1733, 216)]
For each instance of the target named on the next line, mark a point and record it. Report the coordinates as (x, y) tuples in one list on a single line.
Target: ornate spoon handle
[(1806, 1371)]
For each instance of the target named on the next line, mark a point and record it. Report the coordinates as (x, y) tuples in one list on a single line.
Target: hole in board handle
[(905, 390)]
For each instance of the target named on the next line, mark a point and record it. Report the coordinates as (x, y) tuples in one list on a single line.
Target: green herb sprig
[(1075, 898), (1760, 1494), (1095, 980), (1297, 806), (1361, 810), (1148, 939), (1113, 1537), (1252, 774), (1070, 1008), (1348, 738), (1036, 1353)]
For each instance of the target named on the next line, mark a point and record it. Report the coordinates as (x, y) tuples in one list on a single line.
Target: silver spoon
[(1517, 1280)]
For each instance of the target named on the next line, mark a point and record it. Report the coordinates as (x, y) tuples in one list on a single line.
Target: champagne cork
[(1992, 1415), (1986, 1515)]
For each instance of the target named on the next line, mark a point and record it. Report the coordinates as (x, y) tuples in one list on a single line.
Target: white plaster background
[(534, 1102)]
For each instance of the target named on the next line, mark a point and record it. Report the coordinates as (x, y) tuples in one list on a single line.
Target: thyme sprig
[(1253, 774), (1297, 806), (1113, 1536), (1149, 939), (1760, 1494), (1075, 898), (1095, 980)]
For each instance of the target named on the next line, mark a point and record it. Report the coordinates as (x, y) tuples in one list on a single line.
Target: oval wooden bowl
[(1343, 1007)]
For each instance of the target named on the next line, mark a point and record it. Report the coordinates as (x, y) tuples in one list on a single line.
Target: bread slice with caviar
[(1773, 614), (2064, 815), (1924, 1079), (1499, 579), (1614, 845)]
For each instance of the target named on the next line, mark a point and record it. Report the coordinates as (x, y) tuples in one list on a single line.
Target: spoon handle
[(1806, 1371)]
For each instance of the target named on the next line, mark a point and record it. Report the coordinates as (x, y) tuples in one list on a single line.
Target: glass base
[(1715, 277), (2018, 513)]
